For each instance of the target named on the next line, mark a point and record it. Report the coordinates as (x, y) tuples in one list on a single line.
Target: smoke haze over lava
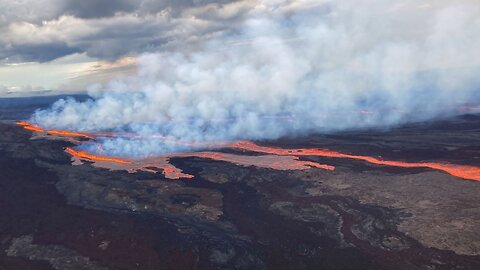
[(283, 72), (275, 158)]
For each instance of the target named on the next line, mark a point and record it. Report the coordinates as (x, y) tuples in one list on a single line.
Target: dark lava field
[(360, 216)]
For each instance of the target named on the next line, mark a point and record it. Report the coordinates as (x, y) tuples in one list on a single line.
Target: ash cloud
[(290, 71)]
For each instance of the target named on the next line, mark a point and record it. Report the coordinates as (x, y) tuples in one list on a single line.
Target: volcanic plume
[(286, 71)]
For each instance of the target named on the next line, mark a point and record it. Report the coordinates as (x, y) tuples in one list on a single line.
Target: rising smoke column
[(291, 70)]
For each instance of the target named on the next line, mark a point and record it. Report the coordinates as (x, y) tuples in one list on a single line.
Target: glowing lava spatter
[(462, 171)]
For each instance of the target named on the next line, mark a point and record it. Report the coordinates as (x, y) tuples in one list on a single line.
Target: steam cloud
[(288, 70)]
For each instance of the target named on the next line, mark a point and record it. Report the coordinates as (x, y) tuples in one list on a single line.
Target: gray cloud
[(97, 8), (4, 90), (37, 52), (25, 90), (44, 30)]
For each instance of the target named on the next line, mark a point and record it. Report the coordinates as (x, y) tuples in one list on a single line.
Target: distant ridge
[(21, 108)]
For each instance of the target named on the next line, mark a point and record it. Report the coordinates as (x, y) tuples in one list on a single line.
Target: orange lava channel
[(63, 133), (85, 155), (461, 171), (148, 165), (276, 158)]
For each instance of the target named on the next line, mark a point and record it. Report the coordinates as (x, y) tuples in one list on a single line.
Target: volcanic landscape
[(402, 198)]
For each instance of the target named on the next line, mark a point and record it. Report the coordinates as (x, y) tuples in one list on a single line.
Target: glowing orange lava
[(85, 155), (30, 127), (276, 158), (132, 166), (172, 172), (462, 171), (68, 133), (63, 133), (265, 161)]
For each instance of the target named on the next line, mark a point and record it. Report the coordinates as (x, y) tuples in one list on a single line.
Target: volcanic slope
[(230, 215)]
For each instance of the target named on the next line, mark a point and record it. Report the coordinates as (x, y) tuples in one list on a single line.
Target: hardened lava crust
[(55, 215)]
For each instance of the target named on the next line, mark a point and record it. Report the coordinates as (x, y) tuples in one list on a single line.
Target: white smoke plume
[(291, 70)]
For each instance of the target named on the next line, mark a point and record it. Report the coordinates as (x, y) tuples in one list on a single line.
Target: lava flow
[(85, 155), (62, 133), (276, 158), (461, 171), (171, 172), (265, 161)]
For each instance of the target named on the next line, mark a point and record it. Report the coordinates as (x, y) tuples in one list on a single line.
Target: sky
[(56, 46), (67, 45)]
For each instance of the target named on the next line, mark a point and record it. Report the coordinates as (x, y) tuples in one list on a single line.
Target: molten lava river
[(270, 157)]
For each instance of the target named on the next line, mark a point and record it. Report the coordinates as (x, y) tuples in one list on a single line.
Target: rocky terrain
[(359, 216)]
